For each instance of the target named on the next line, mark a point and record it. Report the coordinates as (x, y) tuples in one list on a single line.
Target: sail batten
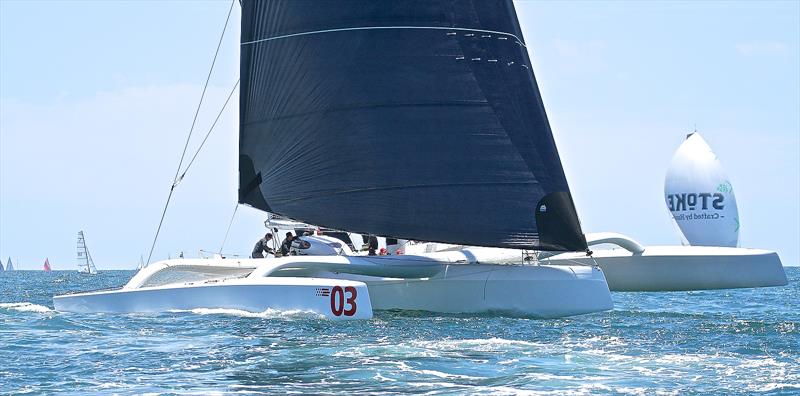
[(412, 119), (354, 28)]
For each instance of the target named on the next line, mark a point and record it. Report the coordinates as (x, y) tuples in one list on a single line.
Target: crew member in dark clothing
[(286, 246), (262, 246), (373, 244)]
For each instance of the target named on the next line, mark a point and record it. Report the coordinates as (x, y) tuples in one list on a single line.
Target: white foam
[(268, 314), (773, 386), (26, 307), (441, 374), (489, 344)]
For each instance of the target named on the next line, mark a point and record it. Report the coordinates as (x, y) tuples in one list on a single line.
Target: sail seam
[(383, 28), (464, 103)]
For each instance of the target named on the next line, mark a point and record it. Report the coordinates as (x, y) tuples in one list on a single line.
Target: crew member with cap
[(262, 246)]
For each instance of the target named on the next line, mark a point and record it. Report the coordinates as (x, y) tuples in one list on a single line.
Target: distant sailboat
[(141, 262), (85, 262), (9, 266), (1, 266), (47, 265)]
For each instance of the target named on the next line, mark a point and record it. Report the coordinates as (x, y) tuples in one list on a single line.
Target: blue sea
[(710, 342)]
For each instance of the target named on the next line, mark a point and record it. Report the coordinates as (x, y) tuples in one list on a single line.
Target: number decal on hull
[(351, 301), (338, 301)]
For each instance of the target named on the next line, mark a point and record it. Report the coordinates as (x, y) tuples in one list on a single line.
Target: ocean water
[(710, 342)]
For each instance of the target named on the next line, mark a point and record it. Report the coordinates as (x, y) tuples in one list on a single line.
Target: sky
[(96, 100)]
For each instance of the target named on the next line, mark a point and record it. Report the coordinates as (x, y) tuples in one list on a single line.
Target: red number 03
[(338, 301)]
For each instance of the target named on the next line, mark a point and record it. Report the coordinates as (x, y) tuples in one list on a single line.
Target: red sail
[(47, 265)]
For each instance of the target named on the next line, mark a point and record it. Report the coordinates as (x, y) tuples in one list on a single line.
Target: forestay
[(411, 119)]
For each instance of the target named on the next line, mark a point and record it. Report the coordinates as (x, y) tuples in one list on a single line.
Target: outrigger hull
[(334, 299), (633, 267), (683, 268)]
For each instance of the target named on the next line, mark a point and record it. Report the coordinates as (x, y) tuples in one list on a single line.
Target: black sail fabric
[(415, 119)]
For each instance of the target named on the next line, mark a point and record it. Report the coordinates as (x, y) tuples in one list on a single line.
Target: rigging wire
[(188, 138), (229, 228), (183, 174)]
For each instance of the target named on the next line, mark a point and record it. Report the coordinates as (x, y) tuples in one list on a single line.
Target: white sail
[(85, 263), (10, 266), (700, 196)]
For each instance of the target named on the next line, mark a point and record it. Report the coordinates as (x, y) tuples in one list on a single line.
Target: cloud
[(757, 48)]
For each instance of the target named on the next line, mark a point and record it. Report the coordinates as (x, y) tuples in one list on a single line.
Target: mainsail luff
[(411, 119)]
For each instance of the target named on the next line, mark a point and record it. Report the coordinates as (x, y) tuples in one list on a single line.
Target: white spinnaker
[(700, 196)]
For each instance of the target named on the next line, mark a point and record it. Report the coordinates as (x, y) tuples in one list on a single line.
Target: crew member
[(262, 246), (373, 244), (286, 246)]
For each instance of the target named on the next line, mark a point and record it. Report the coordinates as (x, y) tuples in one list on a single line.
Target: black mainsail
[(416, 119)]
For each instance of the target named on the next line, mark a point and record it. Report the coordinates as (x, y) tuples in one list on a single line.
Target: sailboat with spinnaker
[(417, 120), (699, 197)]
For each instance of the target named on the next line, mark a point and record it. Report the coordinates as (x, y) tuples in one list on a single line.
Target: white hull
[(634, 267), (680, 268), (283, 294), (677, 268), (535, 291), (520, 290), (447, 282)]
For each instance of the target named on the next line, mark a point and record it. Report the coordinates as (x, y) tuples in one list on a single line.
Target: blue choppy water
[(711, 342)]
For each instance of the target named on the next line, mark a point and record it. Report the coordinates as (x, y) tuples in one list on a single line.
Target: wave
[(26, 307)]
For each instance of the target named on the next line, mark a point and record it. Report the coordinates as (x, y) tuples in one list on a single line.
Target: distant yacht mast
[(85, 263)]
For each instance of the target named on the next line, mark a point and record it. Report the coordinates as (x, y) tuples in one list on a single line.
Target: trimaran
[(420, 120)]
